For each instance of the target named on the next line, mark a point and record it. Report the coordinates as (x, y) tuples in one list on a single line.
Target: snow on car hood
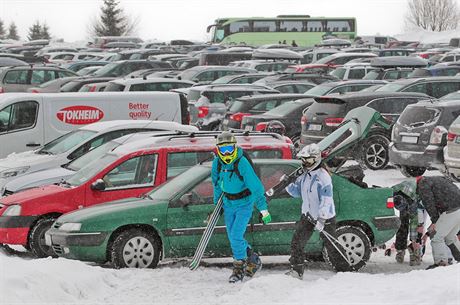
[(28, 158), (44, 177)]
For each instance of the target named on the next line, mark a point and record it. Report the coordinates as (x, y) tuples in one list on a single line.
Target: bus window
[(339, 26), (290, 26), (239, 26), (264, 26), (314, 26)]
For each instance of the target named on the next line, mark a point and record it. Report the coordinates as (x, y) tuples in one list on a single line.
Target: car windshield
[(319, 90), (176, 186), (94, 154), (372, 75), (286, 108), (451, 96), (236, 106), (339, 72), (66, 142), (111, 69), (224, 79), (91, 169), (392, 87)]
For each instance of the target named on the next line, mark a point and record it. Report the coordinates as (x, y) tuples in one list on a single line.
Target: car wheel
[(454, 177), (37, 238), (374, 153), (135, 248), (412, 171), (357, 248)]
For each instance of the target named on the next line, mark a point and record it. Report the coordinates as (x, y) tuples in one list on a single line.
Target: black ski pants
[(304, 230), (403, 231)]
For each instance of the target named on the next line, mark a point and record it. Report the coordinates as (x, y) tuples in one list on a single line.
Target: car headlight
[(70, 226), (13, 172), (12, 210)]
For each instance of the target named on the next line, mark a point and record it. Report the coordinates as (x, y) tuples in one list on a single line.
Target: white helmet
[(310, 156)]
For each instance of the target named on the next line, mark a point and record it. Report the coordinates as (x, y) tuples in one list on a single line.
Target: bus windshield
[(295, 30)]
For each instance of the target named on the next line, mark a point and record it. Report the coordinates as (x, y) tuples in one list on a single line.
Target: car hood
[(355, 127), (28, 158), (32, 195), (44, 177), (113, 208)]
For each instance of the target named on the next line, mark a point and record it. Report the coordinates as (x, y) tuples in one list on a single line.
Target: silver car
[(452, 150)]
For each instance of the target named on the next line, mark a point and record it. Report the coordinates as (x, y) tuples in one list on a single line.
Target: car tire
[(357, 245), (37, 238), (135, 248), (412, 171), (454, 177), (374, 153)]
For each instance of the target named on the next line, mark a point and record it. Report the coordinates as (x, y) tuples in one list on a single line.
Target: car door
[(275, 237), (21, 127), (16, 80), (187, 220), (131, 178)]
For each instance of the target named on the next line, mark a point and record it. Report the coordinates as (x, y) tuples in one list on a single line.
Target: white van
[(29, 120)]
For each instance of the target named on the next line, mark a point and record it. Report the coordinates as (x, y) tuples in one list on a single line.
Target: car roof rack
[(246, 133)]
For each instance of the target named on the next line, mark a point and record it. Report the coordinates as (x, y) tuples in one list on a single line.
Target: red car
[(129, 170)]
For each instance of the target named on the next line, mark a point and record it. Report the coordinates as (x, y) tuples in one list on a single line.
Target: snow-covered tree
[(45, 32), (112, 21), (2, 30), (434, 15), (35, 31), (13, 32)]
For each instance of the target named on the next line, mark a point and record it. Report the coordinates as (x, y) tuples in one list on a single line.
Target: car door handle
[(32, 145)]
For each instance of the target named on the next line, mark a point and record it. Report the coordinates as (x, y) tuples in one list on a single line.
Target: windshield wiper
[(44, 152), (64, 183), (417, 124)]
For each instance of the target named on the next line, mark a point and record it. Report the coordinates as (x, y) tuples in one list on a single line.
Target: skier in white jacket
[(315, 189)]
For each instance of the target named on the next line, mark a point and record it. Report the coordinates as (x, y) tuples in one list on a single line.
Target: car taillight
[(451, 136), (34, 91), (92, 88), (333, 122), (261, 126), (2, 90), (238, 116), (390, 203), (203, 111), (437, 134), (303, 120)]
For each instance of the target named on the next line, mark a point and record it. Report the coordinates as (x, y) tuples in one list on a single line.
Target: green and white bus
[(301, 29)]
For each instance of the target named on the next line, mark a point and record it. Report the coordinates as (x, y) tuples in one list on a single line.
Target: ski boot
[(253, 263), (415, 258), (238, 271), (296, 271), (436, 265), (400, 256), (455, 252)]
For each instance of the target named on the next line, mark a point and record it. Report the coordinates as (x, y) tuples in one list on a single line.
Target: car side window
[(271, 174), (206, 76), (301, 88), (41, 76), (307, 58), (135, 172), (266, 105), (341, 89), (287, 89), (422, 88), (62, 74), (179, 162), (202, 193), (356, 73), (21, 115), (18, 77), (264, 67), (442, 88), (391, 75)]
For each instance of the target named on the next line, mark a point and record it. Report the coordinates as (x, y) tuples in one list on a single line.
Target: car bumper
[(432, 156), (14, 230)]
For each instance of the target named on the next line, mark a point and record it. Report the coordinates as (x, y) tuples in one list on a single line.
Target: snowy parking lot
[(59, 281)]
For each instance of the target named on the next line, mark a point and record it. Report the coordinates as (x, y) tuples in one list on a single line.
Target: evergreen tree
[(112, 21), (2, 30), (45, 32), (13, 32), (35, 31)]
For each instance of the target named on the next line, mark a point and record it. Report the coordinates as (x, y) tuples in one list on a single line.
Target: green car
[(169, 221)]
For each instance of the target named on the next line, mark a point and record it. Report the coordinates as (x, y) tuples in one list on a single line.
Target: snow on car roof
[(140, 80), (120, 124)]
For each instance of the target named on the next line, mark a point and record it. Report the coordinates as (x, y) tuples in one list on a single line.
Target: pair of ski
[(212, 221)]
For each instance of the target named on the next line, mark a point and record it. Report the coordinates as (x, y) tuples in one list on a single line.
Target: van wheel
[(135, 248), (412, 171), (374, 152), (37, 238), (357, 248)]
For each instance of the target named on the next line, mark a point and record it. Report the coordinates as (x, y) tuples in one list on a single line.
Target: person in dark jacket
[(235, 178), (441, 198)]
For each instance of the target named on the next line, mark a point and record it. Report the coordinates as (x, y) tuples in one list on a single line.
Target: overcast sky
[(188, 19)]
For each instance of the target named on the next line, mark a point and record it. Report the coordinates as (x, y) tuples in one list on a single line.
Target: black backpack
[(235, 166)]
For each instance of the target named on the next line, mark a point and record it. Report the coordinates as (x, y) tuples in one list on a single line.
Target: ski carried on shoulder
[(285, 181), (207, 234)]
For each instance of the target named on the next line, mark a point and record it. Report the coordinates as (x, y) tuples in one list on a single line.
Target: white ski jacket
[(315, 188)]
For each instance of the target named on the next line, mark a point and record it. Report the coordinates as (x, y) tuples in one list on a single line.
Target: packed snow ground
[(382, 281)]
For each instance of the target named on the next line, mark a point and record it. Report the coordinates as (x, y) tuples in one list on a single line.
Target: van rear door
[(21, 125)]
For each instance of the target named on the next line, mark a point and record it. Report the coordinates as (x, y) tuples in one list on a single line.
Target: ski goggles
[(226, 149), (308, 160)]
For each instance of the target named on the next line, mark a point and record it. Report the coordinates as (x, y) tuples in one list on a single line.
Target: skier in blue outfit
[(315, 189), (233, 176)]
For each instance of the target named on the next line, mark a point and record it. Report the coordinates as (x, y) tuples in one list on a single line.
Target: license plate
[(248, 128), (47, 239), (316, 127), (225, 122), (408, 139)]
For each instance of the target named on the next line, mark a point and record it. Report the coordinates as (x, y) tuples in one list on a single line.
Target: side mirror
[(186, 199), (98, 185)]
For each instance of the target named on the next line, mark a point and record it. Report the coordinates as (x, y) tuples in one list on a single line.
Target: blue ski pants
[(236, 220)]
